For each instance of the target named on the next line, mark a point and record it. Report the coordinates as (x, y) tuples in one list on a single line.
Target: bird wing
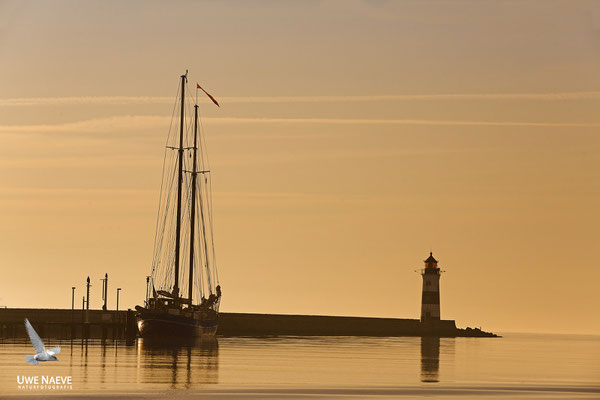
[(31, 360), (53, 351), (37, 343)]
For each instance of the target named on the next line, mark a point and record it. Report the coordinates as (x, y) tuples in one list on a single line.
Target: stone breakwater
[(99, 324)]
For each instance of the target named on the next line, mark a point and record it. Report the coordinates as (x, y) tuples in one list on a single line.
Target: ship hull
[(155, 324)]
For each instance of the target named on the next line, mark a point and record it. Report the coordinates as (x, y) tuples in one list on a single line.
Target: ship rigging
[(186, 294)]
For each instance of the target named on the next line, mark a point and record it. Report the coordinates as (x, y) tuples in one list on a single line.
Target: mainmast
[(193, 210), (179, 188)]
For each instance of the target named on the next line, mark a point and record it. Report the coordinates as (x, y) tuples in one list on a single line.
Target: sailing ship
[(183, 292)]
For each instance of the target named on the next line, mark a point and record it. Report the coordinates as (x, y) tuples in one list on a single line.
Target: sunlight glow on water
[(290, 363)]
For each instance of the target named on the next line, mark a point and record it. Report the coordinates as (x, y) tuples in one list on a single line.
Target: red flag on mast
[(208, 94)]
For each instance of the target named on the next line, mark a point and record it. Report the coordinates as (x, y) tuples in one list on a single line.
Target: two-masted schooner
[(183, 292)]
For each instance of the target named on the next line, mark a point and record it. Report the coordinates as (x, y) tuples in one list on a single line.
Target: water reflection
[(192, 365), (176, 365), (84, 359), (430, 359), (180, 364), (334, 363)]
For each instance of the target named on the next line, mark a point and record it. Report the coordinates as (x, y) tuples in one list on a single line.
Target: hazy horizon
[(353, 138)]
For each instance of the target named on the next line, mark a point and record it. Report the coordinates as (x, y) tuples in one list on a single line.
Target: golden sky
[(353, 138)]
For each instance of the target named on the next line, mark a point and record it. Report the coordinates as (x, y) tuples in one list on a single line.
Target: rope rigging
[(204, 259)]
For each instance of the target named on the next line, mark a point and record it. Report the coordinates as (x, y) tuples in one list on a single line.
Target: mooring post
[(105, 290), (87, 310), (118, 290), (82, 316), (72, 310), (88, 294)]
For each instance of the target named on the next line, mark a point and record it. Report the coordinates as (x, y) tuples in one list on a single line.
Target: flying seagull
[(41, 353)]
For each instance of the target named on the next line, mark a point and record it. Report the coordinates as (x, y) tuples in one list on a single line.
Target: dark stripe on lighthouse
[(431, 297)]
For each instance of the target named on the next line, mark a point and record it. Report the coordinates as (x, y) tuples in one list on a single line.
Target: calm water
[(517, 365)]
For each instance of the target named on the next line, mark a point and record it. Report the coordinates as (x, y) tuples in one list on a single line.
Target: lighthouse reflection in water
[(307, 363), (195, 364), (430, 358)]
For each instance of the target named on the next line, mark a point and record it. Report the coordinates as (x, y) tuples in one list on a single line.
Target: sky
[(353, 138)]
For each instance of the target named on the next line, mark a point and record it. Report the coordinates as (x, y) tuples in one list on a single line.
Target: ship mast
[(204, 238), (179, 188), (193, 210)]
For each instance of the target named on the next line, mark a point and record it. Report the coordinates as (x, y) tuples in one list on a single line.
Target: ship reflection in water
[(145, 363), (287, 367), (195, 363), (183, 365)]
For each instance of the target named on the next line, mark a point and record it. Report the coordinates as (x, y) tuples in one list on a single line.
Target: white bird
[(41, 353)]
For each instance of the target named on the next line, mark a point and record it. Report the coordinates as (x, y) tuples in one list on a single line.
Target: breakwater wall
[(242, 324), (99, 324), (68, 324)]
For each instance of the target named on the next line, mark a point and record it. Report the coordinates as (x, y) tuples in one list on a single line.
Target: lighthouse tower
[(430, 304)]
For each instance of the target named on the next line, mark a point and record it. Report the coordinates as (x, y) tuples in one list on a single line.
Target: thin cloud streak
[(359, 121), (92, 125), (13, 190), (405, 97), (133, 100), (84, 100), (137, 122)]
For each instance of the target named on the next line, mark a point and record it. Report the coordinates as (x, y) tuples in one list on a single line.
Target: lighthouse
[(430, 303)]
